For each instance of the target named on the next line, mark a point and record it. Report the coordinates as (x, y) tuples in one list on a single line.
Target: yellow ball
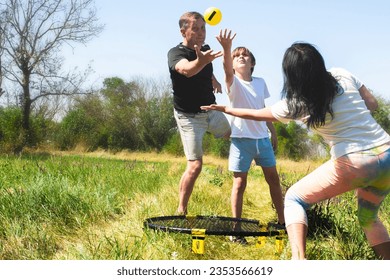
[(212, 16)]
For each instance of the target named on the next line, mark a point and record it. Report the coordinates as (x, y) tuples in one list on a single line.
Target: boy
[(249, 139)]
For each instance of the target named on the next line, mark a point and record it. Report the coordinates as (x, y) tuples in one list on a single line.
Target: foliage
[(77, 127), (33, 33), (12, 134), (109, 119), (382, 114), (138, 115), (157, 114), (120, 101), (292, 140), (216, 146), (174, 146)]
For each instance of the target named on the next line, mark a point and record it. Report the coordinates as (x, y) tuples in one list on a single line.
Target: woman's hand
[(213, 107)]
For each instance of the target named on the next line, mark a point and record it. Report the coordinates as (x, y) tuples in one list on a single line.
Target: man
[(194, 84)]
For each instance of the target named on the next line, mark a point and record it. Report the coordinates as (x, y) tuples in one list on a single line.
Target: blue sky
[(352, 34)]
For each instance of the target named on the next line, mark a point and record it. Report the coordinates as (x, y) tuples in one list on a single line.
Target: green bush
[(10, 129), (122, 116), (157, 122), (78, 127), (12, 136), (292, 140), (174, 146), (382, 114), (216, 146)]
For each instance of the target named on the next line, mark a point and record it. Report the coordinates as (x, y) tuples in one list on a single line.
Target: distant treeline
[(138, 116)]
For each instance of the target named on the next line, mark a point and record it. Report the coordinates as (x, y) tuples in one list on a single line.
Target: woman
[(337, 106)]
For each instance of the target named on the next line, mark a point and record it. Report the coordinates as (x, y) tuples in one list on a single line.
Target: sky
[(352, 34)]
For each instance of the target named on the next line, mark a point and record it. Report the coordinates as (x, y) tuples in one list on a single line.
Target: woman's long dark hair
[(308, 87)]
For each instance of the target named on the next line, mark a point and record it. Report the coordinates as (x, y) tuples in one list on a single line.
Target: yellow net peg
[(279, 244), (261, 241), (198, 237)]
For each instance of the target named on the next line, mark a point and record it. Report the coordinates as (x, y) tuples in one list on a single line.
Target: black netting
[(213, 225)]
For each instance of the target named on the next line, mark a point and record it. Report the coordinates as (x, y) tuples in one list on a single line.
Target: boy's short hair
[(243, 50)]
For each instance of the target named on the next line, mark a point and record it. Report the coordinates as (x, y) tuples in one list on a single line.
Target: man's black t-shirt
[(190, 93)]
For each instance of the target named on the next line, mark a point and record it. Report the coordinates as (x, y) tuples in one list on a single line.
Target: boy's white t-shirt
[(244, 94), (352, 128)]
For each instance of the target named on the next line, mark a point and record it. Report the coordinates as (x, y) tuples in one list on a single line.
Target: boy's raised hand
[(225, 38)]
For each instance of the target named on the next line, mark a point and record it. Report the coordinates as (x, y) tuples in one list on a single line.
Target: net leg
[(198, 237), (279, 241), (279, 244), (261, 241)]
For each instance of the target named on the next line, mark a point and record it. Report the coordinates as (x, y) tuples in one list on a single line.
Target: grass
[(64, 206)]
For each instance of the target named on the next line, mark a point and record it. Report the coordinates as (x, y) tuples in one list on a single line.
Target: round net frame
[(211, 225)]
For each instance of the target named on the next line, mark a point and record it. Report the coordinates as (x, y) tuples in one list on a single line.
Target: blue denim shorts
[(193, 126), (244, 150)]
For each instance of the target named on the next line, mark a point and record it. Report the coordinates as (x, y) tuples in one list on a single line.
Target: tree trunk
[(26, 109), (25, 133)]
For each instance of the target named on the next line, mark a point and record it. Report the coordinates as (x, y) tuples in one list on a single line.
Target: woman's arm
[(250, 114), (369, 99)]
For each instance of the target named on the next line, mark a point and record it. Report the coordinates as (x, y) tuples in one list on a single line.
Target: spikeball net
[(200, 226)]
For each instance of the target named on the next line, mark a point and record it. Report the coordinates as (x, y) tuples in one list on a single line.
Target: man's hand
[(191, 68), (207, 56)]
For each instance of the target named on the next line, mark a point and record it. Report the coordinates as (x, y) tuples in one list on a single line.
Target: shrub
[(216, 146), (10, 128), (77, 127), (173, 145), (12, 134)]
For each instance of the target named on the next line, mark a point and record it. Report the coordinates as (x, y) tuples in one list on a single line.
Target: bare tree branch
[(32, 33)]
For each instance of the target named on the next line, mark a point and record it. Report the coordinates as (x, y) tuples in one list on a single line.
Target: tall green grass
[(93, 207), (47, 200)]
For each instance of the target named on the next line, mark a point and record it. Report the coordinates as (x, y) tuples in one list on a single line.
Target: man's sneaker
[(238, 239), (277, 226)]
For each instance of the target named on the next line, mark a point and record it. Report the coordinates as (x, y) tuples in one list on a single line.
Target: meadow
[(91, 206)]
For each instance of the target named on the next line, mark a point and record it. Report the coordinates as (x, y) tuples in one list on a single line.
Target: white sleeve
[(357, 82), (351, 81), (280, 111)]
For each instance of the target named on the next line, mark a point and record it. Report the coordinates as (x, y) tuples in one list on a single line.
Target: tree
[(2, 23), (34, 32), (121, 101), (156, 122)]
